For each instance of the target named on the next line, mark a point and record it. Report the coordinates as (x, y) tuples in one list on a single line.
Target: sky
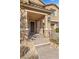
[(51, 1)]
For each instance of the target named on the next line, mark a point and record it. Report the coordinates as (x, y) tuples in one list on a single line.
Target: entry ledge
[(42, 44)]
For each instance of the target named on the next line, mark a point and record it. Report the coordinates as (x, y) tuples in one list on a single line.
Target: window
[(54, 13), (49, 18)]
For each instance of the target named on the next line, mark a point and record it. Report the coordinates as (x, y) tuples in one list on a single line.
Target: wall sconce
[(49, 18)]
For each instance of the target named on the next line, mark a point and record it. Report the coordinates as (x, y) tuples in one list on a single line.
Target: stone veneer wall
[(49, 7)]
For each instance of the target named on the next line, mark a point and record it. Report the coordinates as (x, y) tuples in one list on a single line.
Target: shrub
[(55, 41), (57, 30)]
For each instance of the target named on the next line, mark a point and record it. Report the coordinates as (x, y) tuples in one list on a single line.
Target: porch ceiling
[(34, 16)]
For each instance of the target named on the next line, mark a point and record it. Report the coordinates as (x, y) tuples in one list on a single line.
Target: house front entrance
[(37, 23), (33, 27)]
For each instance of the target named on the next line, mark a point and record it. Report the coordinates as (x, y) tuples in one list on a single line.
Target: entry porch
[(37, 23)]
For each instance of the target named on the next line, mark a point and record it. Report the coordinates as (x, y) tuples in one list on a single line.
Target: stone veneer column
[(38, 26), (46, 33), (23, 25), (26, 20), (41, 27)]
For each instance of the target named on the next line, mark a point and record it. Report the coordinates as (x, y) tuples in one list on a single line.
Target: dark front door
[(32, 27)]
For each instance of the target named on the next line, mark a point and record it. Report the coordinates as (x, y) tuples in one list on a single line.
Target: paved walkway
[(45, 51)]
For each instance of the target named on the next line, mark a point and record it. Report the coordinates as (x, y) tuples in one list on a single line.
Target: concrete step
[(38, 45), (37, 36), (38, 39)]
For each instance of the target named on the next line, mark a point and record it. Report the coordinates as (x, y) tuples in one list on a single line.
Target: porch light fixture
[(49, 18)]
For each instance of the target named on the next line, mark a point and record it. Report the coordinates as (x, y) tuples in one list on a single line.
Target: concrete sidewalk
[(47, 52)]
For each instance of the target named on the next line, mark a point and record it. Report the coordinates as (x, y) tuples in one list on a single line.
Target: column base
[(46, 33)]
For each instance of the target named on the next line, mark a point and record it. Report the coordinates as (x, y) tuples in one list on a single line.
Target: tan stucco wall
[(51, 6), (55, 8)]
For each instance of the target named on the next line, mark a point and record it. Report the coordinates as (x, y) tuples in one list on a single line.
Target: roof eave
[(52, 4), (34, 8)]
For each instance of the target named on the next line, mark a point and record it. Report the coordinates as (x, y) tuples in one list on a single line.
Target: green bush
[(55, 41), (57, 30)]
